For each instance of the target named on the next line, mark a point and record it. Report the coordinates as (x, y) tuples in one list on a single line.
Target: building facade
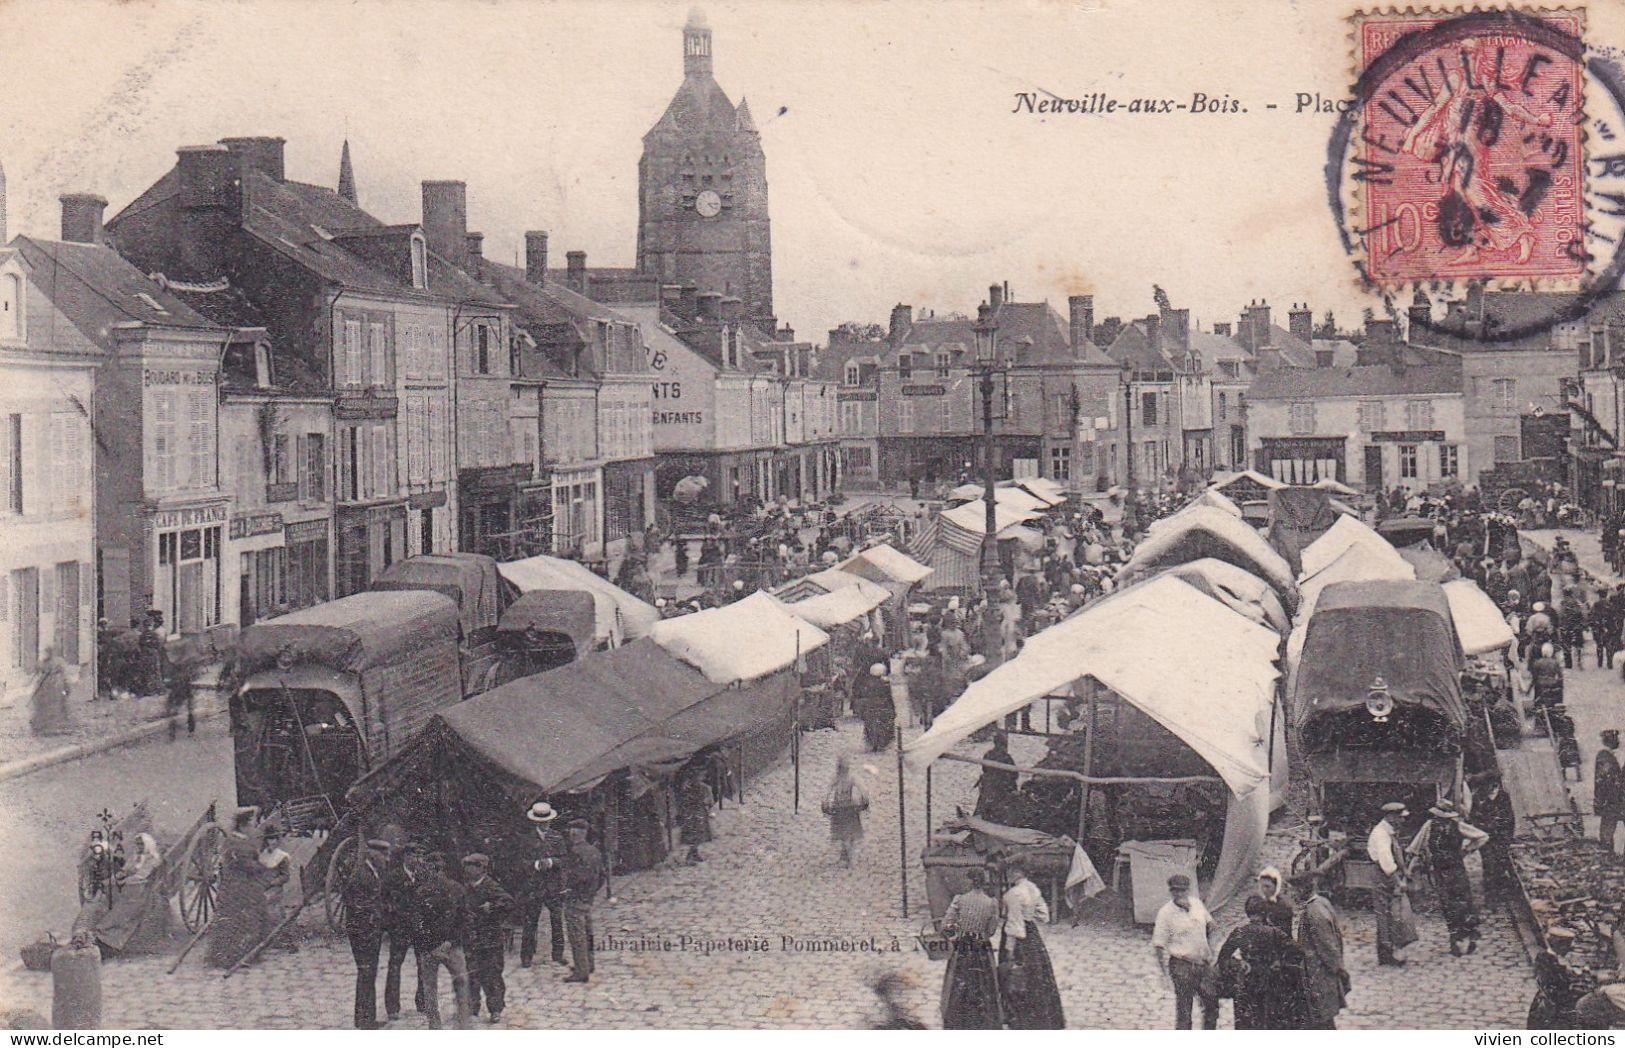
[(48, 578), (1373, 427)]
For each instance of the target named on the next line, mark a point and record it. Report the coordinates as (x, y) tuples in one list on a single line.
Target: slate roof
[(699, 104), (1133, 346), (1368, 381), (1031, 334), (97, 288), (1516, 320)]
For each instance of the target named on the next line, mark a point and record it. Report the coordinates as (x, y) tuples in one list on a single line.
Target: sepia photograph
[(823, 515)]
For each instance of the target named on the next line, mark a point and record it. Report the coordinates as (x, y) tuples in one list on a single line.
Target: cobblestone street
[(738, 935)]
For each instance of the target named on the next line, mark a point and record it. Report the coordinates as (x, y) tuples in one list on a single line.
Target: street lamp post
[(1131, 497), (987, 340)]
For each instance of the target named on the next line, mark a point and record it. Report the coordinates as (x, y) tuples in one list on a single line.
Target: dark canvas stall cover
[(402, 648), (1406, 531), (470, 579), (570, 613), (1400, 631), (1298, 516)]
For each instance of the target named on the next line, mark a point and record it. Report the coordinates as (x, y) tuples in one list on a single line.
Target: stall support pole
[(795, 759), (928, 804), (1088, 769), (902, 824)]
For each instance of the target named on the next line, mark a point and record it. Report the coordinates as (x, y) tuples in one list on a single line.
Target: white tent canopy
[(620, 616), (1209, 499), (1334, 486), (1015, 498), (837, 607), (890, 563), (1221, 479), (830, 580), (1050, 491), (747, 639), (1209, 694), (1478, 621), (1211, 527), (1345, 532), (1237, 589), (972, 516)]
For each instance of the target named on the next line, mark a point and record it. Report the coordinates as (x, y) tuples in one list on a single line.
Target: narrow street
[(768, 932)]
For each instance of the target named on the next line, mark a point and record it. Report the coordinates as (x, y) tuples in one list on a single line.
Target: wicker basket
[(935, 944), (37, 955)]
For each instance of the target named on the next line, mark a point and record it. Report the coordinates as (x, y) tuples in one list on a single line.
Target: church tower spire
[(697, 45), (346, 174)]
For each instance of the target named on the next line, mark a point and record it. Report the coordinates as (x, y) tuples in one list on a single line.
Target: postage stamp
[(1467, 161)]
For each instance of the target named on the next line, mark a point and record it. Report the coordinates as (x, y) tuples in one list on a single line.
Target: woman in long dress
[(1031, 999), (970, 989), (50, 712), (241, 920), (1267, 969), (845, 804), (872, 698)]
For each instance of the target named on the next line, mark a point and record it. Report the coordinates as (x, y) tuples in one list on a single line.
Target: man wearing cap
[(539, 882), (487, 906), (438, 928), (364, 925), (1182, 942), (583, 876), (1443, 843), (1395, 928), (1320, 936), (1608, 788)]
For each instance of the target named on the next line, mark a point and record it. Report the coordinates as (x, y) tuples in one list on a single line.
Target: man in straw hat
[(539, 882), (1395, 927), (1443, 843)]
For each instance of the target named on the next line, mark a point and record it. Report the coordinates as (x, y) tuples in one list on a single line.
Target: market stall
[(1210, 532), (1345, 532), (1213, 703), (621, 617)]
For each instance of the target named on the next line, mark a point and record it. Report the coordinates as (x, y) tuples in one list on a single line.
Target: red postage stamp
[(1468, 160)]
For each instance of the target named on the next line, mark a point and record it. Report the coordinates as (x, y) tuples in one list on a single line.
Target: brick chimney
[(1081, 317), (445, 218), (82, 218), (995, 295), (476, 246), (730, 307), (575, 271), (261, 153), (1222, 329), (209, 179), (688, 298), (1300, 320), (1153, 330), (1176, 325), (1258, 320), (787, 333), (1418, 317), (708, 305), (901, 318), (536, 256)]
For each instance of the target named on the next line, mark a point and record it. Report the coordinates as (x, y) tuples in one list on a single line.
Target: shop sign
[(1408, 436), (855, 394), (153, 377), (189, 517), (257, 524), (924, 391), (306, 531), (426, 500)]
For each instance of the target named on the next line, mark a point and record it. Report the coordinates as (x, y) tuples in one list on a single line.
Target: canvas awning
[(837, 608), (1050, 492), (620, 616), (972, 516), (567, 612), (884, 563), (1346, 531), (1209, 532), (1240, 591), (1333, 486), (832, 580), (1224, 480), (744, 640), (1479, 624), (1210, 695), (1359, 562)]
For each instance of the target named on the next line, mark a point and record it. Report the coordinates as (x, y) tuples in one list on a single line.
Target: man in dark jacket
[(398, 890), (1608, 788), (583, 876), (539, 882), (485, 931), (438, 931), (364, 924)]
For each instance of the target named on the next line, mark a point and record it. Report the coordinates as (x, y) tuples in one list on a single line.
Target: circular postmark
[(1485, 149)]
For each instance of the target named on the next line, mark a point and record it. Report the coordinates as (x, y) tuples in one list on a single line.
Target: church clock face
[(708, 204)]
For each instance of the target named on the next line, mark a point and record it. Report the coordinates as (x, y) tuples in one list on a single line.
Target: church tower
[(702, 190)]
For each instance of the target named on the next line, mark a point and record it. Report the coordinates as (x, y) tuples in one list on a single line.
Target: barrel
[(76, 986)]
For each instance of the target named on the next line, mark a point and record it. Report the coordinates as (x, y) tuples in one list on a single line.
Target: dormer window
[(852, 373), (263, 377), (420, 262), (11, 306)]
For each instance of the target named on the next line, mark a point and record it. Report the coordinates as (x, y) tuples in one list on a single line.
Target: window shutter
[(47, 589), (376, 352), (5, 465)]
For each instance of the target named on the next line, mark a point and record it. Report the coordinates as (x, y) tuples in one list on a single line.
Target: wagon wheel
[(200, 877), (338, 875)]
